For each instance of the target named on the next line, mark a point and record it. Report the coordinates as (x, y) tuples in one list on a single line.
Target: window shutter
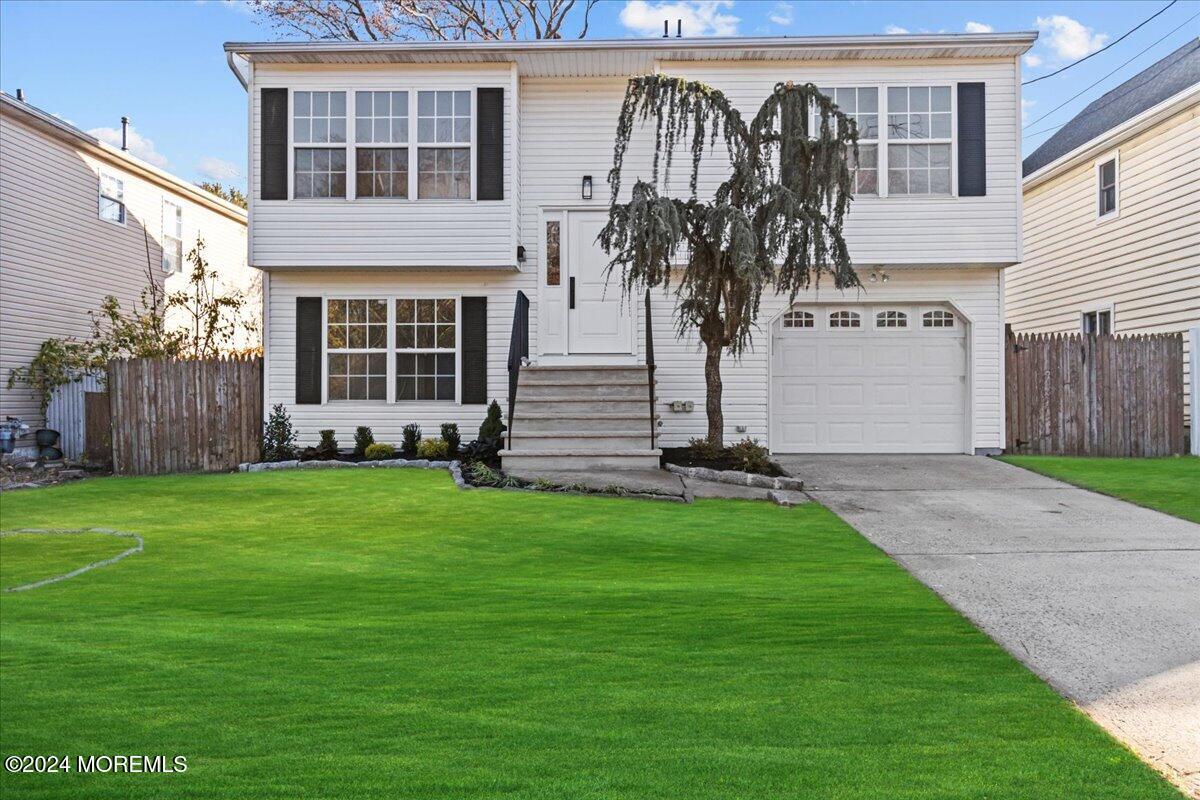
[(272, 144), (474, 350), (490, 146), (308, 350), (972, 145)]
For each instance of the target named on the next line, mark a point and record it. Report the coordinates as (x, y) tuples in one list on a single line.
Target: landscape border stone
[(737, 478)]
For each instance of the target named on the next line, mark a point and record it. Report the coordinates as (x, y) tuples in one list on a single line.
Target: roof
[(621, 57), (1173, 75), (57, 127)]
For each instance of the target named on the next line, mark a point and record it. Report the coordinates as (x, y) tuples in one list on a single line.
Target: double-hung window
[(112, 198), (1097, 323), (1106, 182), (319, 136), (862, 105), (356, 349), (444, 145), (426, 347), (919, 131), (172, 237), (381, 144)]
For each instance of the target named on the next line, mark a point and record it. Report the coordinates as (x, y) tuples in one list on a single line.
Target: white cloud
[(782, 14), (1033, 60), (139, 145), (1069, 39), (978, 27), (218, 169), (1026, 105), (700, 17), (895, 29)]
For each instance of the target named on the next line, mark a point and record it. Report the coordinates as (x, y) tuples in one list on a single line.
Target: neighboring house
[(402, 194), (1112, 212), (79, 220)]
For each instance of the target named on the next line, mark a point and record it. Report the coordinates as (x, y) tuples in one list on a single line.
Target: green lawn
[(1170, 485), (362, 635)]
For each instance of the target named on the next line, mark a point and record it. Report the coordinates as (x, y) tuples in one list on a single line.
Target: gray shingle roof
[(1143, 91)]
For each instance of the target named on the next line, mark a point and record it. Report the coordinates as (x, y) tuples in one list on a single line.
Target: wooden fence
[(1069, 394), (184, 416)]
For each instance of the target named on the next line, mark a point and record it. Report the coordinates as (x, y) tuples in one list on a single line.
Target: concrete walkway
[(1099, 597)]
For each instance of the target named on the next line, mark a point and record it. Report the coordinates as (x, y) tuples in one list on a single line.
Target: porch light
[(587, 187)]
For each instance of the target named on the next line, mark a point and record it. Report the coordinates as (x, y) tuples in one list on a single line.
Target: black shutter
[(489, 150), (272, 144), (474, 350), (308, 350), (972, 145)]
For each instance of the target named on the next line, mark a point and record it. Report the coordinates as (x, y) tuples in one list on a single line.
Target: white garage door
[(869, 379)]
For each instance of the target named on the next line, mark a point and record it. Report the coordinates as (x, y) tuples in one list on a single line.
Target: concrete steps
[(580, 418)]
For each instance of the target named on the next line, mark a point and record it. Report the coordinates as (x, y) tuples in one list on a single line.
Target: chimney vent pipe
[(21, 95), (125, 133)]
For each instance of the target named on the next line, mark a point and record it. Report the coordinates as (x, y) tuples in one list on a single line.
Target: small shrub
[(544, 485), (379, 451), (433, 449), (451, 436), (412, 438), (363, 438), (493, 427), (279, 437), (481, 474), (705, 450), (750, 456), (485, 450), (327, 448)]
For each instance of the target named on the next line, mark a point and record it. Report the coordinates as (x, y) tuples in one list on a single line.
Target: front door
[(597, 321)]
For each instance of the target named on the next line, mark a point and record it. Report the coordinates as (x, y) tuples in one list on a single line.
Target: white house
[(79, 220), (403, 194)]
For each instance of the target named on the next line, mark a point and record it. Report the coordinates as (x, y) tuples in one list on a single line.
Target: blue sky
[(161, 63)]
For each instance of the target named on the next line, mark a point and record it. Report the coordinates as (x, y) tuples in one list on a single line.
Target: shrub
[(705, 450), (493, 427), (363, 438), (378, 451), (451, 436), (412, 438), (750, 456), (279, 437), (481, 474), (483, 450), (327, 448), (435, 449)]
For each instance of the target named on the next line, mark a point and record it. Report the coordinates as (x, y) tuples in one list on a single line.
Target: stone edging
[(737, 478)]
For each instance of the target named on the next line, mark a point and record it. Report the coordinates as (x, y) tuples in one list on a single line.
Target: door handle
[(571, 292)]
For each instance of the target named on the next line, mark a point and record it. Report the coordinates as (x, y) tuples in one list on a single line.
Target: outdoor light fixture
[(877, 275), (587, 187)]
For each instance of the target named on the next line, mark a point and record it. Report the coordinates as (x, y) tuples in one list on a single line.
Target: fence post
[(1194, 374)]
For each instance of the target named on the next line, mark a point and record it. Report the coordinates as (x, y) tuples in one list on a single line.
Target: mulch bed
[(683, 457)]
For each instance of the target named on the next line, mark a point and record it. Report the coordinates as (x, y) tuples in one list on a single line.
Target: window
[(1106, 177), (553, 259), (172, 237), (919, 113), (381, 172), (381, 118), (112, 198), (891, 319), (798, 319), (319, 121), (356, 347), (444, 145), (937, 319), (845, 319), (1097, 323), (426, 343), (862, 105)]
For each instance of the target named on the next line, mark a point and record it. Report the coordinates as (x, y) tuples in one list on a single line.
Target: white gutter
[(230, 55)]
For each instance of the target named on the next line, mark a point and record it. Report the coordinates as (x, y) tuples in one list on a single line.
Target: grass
[(360, 635), (1169, 485)]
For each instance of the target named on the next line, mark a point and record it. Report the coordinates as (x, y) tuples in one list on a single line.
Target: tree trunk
[(712, 380)]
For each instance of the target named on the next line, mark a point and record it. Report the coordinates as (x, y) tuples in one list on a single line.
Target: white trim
[(1115, 157), (1194, 361)]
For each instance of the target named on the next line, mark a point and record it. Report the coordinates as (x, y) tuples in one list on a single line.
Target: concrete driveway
[(1099, 597)]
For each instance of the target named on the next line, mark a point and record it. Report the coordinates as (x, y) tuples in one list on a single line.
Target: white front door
[(597, 321)]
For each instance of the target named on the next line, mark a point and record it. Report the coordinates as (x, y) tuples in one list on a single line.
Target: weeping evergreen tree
[(775, 222)]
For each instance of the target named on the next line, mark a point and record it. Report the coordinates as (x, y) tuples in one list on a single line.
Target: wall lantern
[(587, 187)]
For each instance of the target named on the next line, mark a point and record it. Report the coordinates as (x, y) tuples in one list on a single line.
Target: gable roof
[(1176, 73)]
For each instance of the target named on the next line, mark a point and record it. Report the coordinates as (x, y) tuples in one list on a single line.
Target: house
[(1112, 213), (407, 198), (79, 220)]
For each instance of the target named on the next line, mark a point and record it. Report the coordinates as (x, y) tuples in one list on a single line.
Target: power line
[(1100, 80), (1102, 49)]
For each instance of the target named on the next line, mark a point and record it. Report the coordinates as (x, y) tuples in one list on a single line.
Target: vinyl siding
[(58, 259), (1145, 261)]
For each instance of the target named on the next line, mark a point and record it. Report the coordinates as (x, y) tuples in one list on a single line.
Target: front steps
[(581, 418)]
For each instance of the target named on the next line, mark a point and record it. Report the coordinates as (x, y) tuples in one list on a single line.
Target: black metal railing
[(650, 368), (518, 350)]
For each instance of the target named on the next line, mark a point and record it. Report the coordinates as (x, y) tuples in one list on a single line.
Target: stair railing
[(518, 350), (650, 368)]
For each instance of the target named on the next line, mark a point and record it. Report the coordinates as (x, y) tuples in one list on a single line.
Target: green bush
[(378, 451), (435, 449), (327, 448), (363, 438), (450, 436), (412, 438), (279, 437), (493, 427), (704, 450), (750, 456)]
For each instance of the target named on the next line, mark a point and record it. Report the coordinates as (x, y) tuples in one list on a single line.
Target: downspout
[(229, 56)]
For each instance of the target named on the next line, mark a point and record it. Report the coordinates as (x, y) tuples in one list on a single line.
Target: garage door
[(869, 379)]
